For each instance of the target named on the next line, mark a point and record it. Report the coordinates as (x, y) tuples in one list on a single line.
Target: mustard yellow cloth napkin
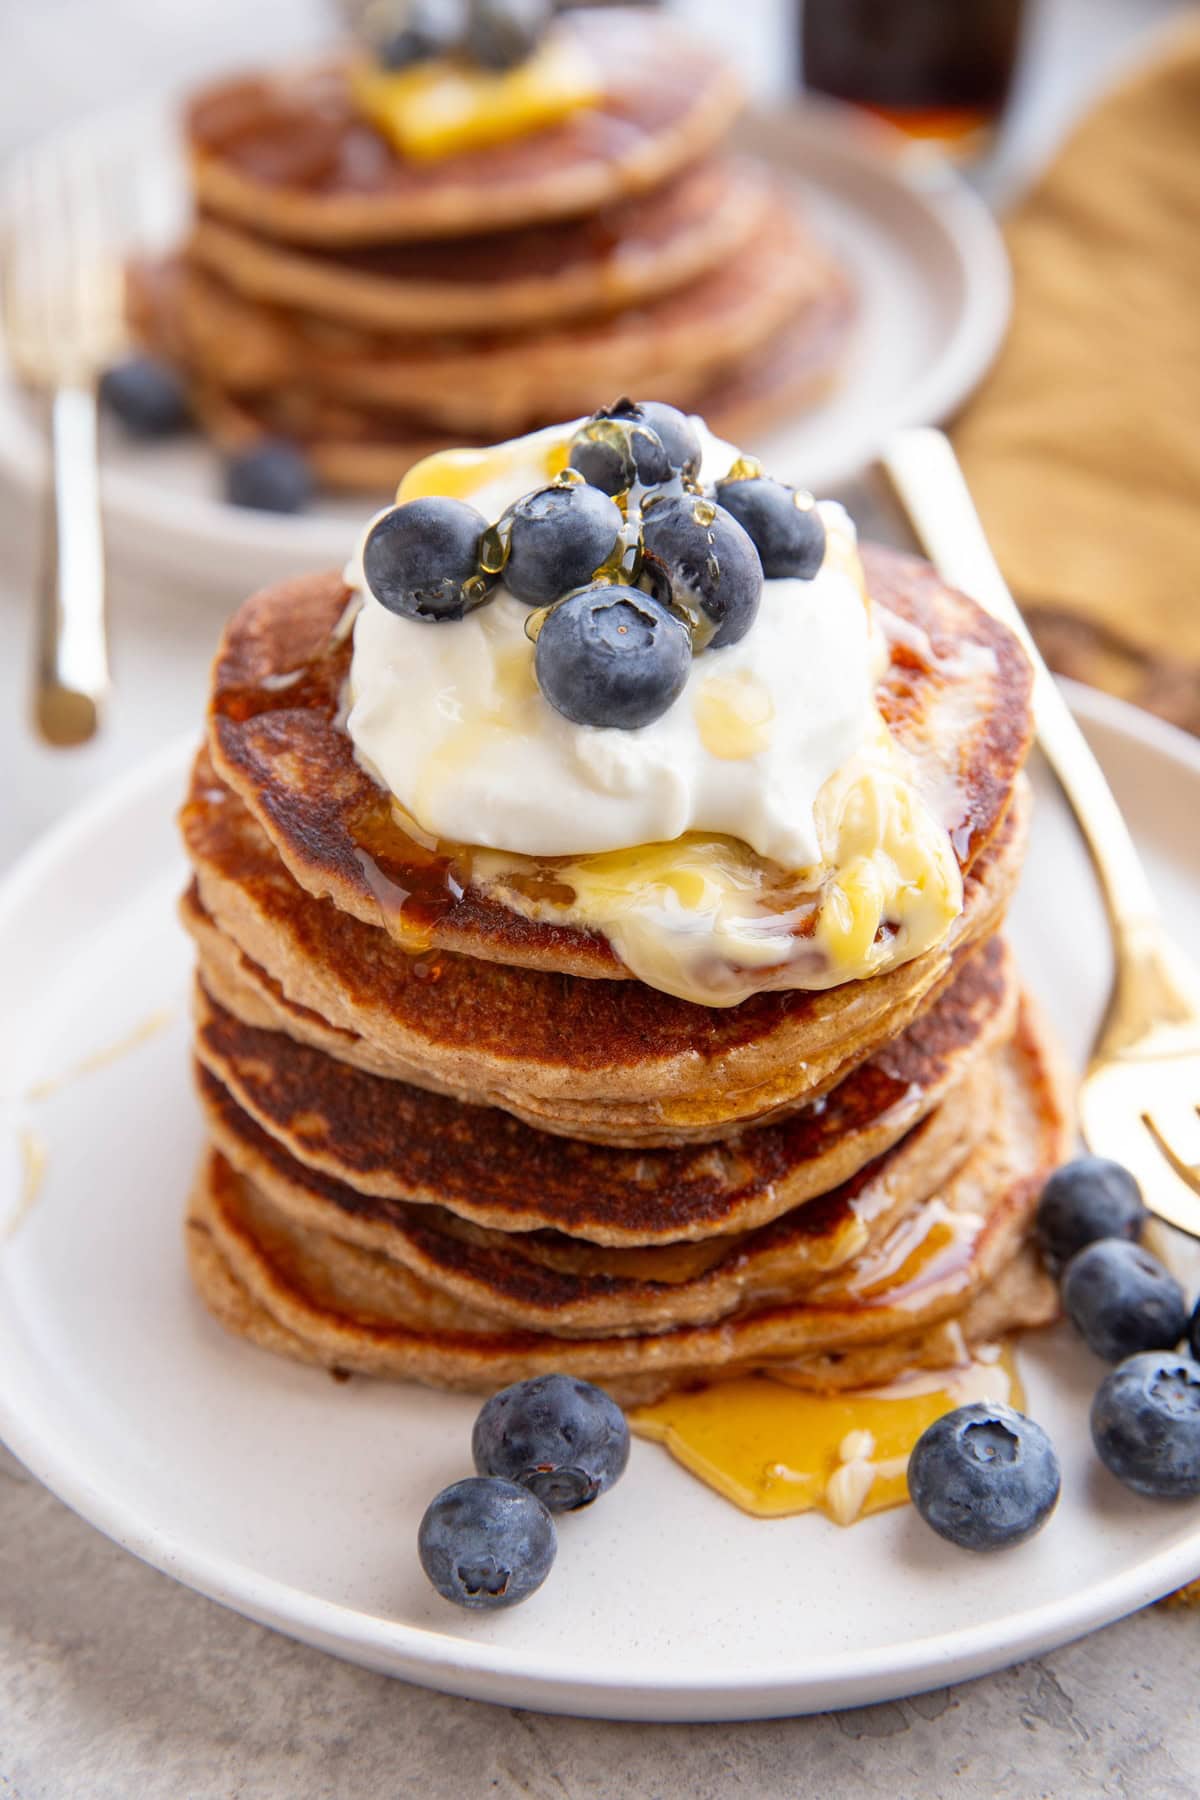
[(1083, 446)]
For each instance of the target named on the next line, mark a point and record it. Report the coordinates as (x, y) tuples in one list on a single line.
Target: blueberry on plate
[(486, 1543), (1087, 1199), (782, 523), (706, 565), (564, 1439), (503, 33), (1194, 1331), (611, 655), (272, 476), (558, 538), (421, 559), (1123, 1300), (984, 1476), (1146, 1424), (147, 396)]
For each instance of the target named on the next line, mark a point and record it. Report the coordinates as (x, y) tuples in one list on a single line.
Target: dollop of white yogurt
[(449, 718)]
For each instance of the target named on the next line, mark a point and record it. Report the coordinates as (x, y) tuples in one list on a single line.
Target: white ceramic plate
[(296, 1500), (924, 253)]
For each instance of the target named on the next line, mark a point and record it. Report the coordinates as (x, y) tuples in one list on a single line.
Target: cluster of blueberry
[(493, 34), (631, 565), (545, 1446), (985, 1476), (151, 401)]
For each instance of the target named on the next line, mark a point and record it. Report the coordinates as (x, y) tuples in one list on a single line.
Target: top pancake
[(292, 156), (276, 739)]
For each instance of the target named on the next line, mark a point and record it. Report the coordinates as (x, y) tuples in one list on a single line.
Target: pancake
[(870, 1106), (622, 255), (359, 450), (291, 156), (495, 384), (607, 1061), (391, 1141), (955, 695), (1020, 1297), (508, 1276), (319, 1298)]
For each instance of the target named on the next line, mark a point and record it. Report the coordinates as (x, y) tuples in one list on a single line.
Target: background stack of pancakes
[(451, 1144), (373, 308)]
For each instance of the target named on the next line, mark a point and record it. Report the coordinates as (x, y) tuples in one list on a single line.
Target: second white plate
[(923, 251)]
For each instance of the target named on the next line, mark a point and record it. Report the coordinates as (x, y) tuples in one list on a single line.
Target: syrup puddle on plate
[(774, 1449), (108, 1054)]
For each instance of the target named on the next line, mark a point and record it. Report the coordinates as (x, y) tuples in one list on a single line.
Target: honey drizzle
[(774, 1449)]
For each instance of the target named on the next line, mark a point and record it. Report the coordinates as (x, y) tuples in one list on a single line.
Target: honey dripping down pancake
[(604, 1061), (388, 1141), (953, 706), (340, 1305), (660, 1034)]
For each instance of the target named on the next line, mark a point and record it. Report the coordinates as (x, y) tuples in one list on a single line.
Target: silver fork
[(62, 313), (1139, 1099)]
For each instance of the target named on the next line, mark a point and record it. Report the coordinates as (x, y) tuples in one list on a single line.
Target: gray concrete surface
[(117, 1684)]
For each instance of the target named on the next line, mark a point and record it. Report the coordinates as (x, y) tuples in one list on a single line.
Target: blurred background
[(1010, 82)]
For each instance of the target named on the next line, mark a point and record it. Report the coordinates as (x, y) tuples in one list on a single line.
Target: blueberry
[(1194, 1332), (610, 655), (614, 450), (1146, 1424), (984, 1476), (565, 1440), (421, 559), (706, 564), (429, 29), (148, 397), (1122, 1299), (783, 524), (558, 539), (673, 429), (272, 476), (486, 1543), (503, 33), (1087, 1199)]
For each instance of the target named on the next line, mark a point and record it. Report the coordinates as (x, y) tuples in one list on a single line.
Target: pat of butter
[(440, 108), (891, 861)]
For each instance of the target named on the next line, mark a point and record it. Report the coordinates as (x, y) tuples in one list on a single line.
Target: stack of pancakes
[(452, 1144), (373, 308)]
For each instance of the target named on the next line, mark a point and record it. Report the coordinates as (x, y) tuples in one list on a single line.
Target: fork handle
[(925, 473), (72, 650)]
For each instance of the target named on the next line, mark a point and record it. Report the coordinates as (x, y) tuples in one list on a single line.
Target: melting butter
[(774, 1449), (443, 107), (705, 919)]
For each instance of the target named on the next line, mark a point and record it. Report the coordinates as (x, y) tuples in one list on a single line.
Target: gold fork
[(62, 296), (1139, 1099)]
